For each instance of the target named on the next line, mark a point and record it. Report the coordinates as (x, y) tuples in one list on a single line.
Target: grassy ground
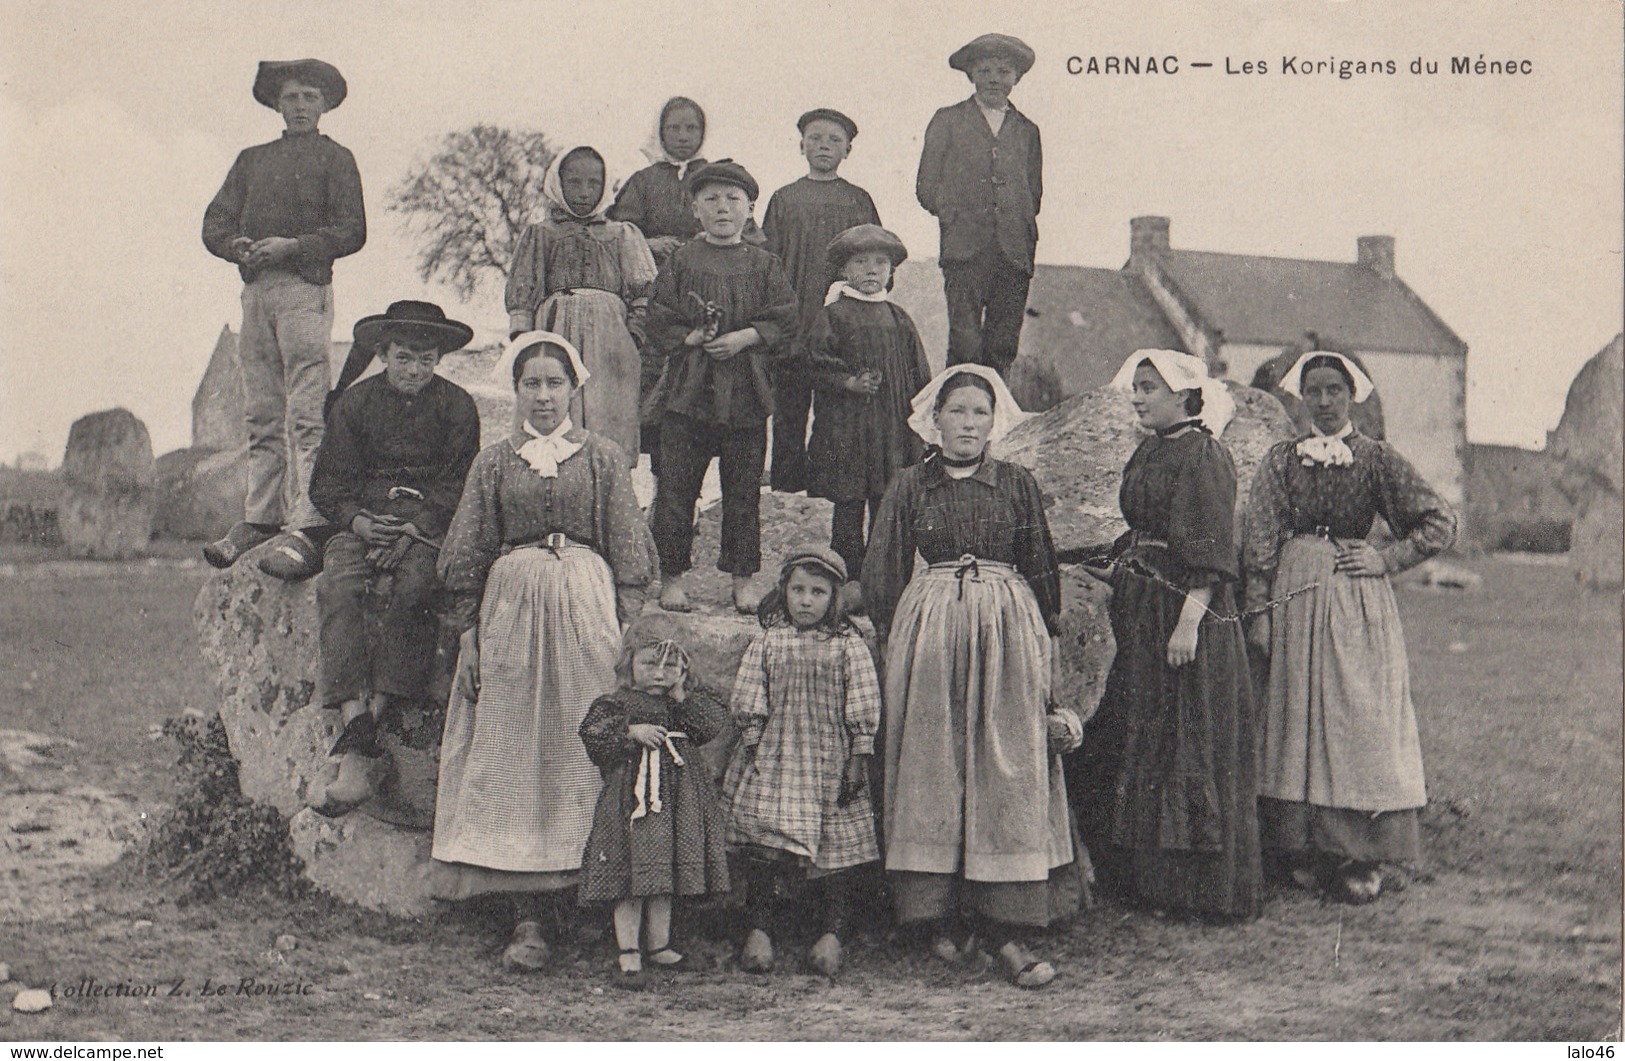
[(1515, 933)]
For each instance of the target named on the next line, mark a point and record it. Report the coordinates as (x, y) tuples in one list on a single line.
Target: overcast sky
[(118, 123)]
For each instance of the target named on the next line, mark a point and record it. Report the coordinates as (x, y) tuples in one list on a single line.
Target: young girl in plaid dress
[(807, 704)]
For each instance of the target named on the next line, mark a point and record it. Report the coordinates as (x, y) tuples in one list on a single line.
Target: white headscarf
[(1006, 413), (502, 371), (1292, 382), (1183, 372), (655, 149), (553, 186)]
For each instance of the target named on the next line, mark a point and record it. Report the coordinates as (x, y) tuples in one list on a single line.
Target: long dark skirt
[(1167, 775)]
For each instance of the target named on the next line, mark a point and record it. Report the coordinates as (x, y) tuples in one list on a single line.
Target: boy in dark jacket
[(389, 475), (286, 210), (981, 176)]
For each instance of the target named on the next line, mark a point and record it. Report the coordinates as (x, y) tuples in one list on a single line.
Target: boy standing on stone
[(981, 177), (388, 476), (800, 221), (286, 211)]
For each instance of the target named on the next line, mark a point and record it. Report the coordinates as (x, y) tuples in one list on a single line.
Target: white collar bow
[(544, 452), (1329, 450)]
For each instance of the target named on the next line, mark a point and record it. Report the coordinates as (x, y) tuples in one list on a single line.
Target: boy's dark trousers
[(686, 449), (987, 302), (396, 658), (792, 398), (846, 528)]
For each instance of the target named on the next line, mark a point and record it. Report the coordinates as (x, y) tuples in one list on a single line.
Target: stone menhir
[(108, 498), (200, 493), (259, 635), (1590, 439)]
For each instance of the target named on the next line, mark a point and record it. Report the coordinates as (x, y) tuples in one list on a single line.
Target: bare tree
[(471, 200)]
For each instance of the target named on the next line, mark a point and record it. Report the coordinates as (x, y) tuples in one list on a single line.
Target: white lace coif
[(1007, 415), (1182, 372)]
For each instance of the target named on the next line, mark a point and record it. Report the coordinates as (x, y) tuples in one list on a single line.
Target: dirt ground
[(1513, 934)]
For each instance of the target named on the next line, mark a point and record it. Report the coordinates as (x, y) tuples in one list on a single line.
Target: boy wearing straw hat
[(286, 210)]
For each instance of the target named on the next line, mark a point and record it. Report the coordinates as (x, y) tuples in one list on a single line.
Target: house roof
[(1081, 322), (1256, 299), (1084, 322)]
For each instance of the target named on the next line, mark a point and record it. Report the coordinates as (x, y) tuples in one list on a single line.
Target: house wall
[(1241, 360), (1424, 404)]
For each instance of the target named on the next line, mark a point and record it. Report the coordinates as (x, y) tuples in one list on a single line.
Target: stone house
[(1238, 311)]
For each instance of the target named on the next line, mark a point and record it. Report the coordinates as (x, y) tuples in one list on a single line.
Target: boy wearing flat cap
[(801, 219), (389, 474), (981, 177), (722, 310), (286, 210)]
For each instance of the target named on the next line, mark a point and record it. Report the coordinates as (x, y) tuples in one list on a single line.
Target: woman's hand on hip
[(1360, 560), (467, 681), (1182, 645)]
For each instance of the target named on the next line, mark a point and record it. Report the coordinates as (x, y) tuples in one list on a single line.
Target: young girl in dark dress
[(1168, 762), (866, 363), (657, 831)]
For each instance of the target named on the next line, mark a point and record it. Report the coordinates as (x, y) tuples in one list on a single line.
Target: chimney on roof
[(1147, 238), (1377, 254)]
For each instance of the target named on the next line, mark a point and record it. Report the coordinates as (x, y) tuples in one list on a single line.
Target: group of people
[(578, 744)]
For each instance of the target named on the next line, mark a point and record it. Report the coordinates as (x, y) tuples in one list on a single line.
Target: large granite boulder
[(1590, 439), (200, 492), (107, 487), (259, 635)]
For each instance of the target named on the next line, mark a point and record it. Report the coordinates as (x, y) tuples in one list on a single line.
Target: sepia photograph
[(800, 522)]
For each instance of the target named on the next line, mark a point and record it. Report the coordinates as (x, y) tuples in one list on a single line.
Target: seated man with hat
[(286, 210), (389, 473), (981, 177)]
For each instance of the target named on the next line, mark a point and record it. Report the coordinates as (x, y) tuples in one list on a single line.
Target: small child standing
[(656, 200), (866, 363), (807, 703), (721, 310), (801, 219), (657, 831)]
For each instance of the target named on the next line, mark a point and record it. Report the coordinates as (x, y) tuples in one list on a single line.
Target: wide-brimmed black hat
[(828, 114), (998, 45), (723, 171), (412, 322), (268, 80), (861, 239)]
